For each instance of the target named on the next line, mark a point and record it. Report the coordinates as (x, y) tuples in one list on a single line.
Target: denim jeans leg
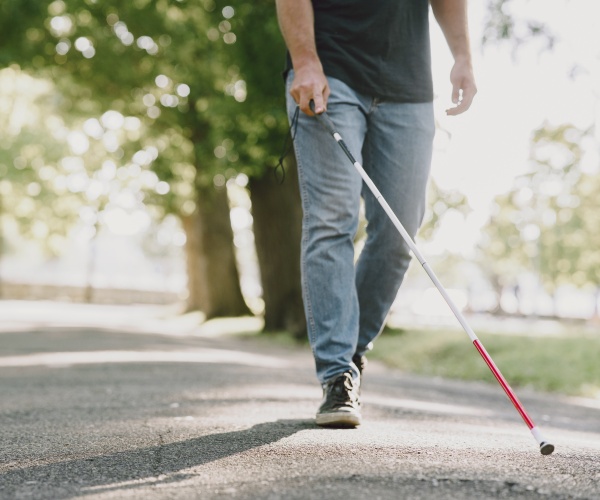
[(397, 157), (330, 191)]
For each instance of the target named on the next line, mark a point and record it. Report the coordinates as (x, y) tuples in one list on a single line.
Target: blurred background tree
[(504, 25), (31, 150), (208, 96), (546, 223), (159, 108), (167, 80)]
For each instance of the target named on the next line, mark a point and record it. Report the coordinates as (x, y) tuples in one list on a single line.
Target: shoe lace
[(342, 389)]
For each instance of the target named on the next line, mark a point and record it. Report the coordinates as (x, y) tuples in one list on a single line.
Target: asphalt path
[(124, 412)]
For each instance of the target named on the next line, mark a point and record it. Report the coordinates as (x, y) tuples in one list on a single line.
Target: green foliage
[(202, 76), (440, 203), (503, 26), (33, 190), (560, 364), (260, 122), (546, 223)]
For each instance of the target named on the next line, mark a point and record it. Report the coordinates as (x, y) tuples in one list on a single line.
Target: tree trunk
[(213, 279), (498, 289), (596, 314), (277, 214)]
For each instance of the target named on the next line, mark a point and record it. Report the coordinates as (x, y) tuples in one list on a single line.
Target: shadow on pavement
[(136, 468)]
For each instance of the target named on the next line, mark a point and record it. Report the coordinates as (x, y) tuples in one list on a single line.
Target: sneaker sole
[(344, 420)]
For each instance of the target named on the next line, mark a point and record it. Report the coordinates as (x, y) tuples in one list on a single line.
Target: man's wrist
[(463, 58), (307, 60)]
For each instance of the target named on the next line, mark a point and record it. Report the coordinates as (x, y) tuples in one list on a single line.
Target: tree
[(64, 174), (440, 202), (167, 76), (546, 223), (503, 25), (204, 80), (255, 135), (34, 156)]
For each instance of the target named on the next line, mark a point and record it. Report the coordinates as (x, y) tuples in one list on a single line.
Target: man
[(367, 62)]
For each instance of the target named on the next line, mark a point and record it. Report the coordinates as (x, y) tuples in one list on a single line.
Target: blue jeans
[(346, 303)]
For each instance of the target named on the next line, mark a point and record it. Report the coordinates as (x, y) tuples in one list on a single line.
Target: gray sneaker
[(340, 406)]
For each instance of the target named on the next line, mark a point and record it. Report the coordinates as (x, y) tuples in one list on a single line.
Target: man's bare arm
[(451, 15), (296, 20)]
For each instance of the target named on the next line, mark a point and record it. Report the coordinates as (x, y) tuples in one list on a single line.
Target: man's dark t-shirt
[(378, 47)]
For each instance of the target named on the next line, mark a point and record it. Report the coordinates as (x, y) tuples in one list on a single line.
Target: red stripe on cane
[(502, 381)]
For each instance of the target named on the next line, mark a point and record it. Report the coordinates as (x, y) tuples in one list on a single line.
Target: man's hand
[(451, 15), (463, 87), (297, 21), (309, 84)]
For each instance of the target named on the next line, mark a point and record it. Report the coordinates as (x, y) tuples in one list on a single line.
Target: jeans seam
[(308, 309), (311, 326)]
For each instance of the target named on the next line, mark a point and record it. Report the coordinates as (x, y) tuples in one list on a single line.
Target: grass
[(569, 364)]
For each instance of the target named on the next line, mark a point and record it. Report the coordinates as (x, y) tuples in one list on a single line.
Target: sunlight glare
[(161, 81), (183, 90), (132, 123), (110, 141), (93, 128), (126, 223), (112, 120), (78, 142), (63, 47), (61, 25), (162, 188)]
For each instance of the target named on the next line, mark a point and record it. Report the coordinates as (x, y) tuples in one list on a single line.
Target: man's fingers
[(465, 101), (309, 84), (467, 97), (463, 86), (319, 105), (319, 98), (455, 94)]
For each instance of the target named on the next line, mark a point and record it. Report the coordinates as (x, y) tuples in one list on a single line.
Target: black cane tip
[(546, 448)]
